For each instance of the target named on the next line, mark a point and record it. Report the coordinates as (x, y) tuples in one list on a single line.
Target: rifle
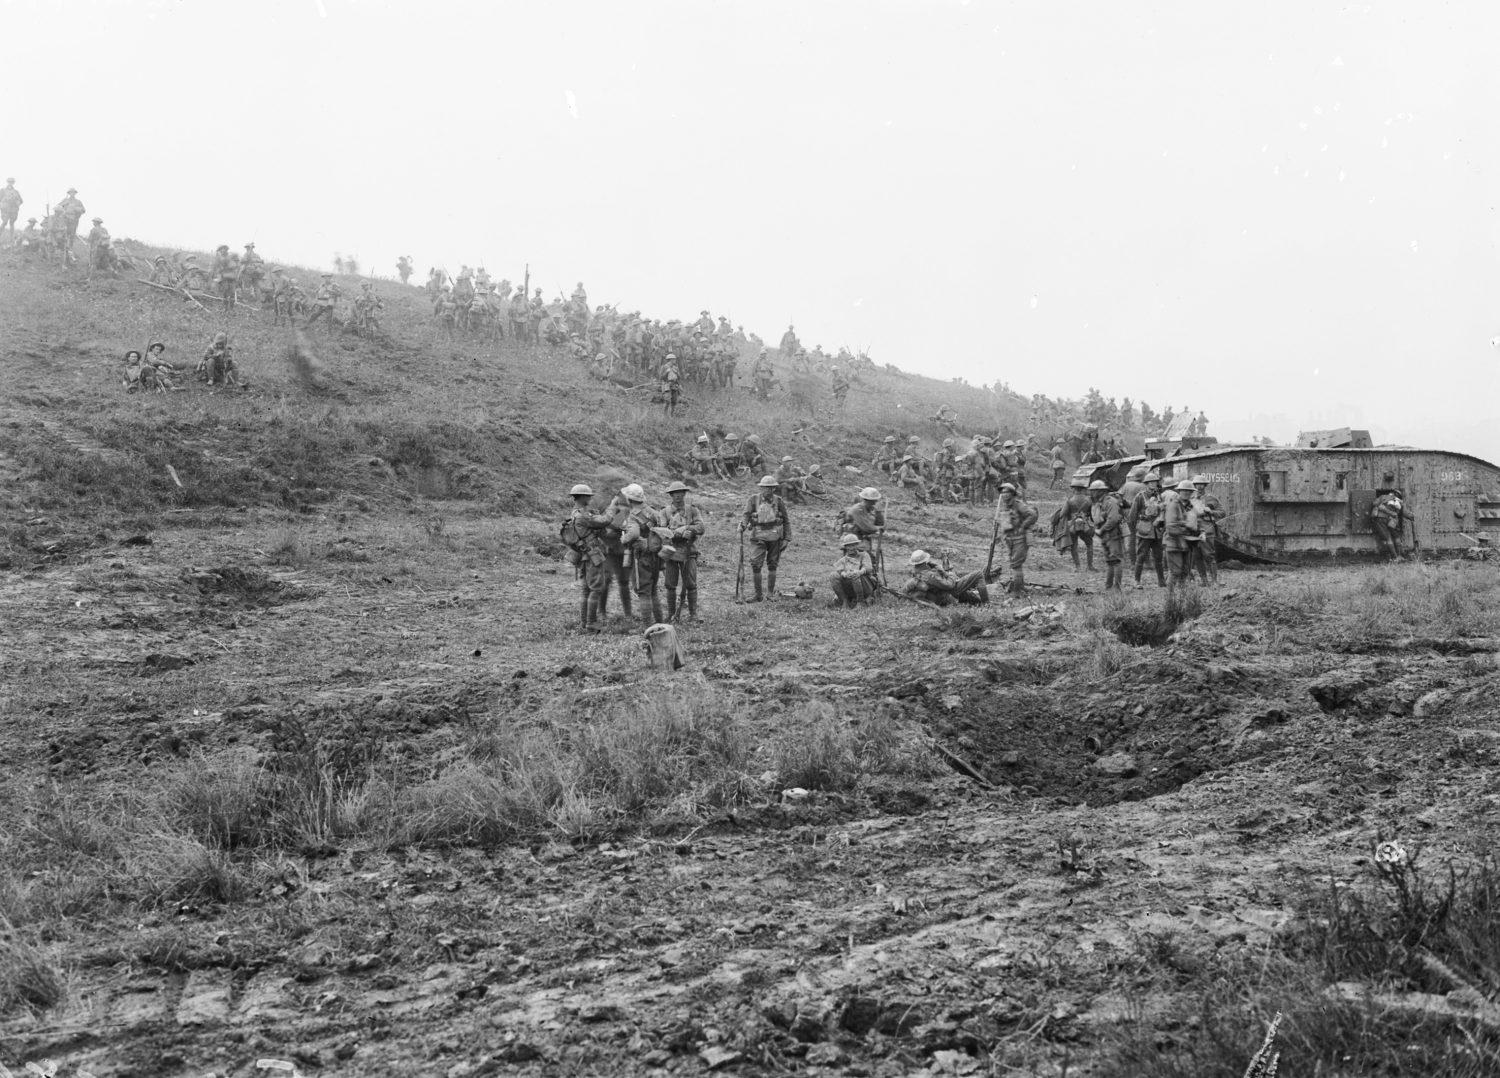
[(880, 556), (989, 561), (739, 576), (908, 598)]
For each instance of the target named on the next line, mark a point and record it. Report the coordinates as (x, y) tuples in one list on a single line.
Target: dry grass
[(28, 980)]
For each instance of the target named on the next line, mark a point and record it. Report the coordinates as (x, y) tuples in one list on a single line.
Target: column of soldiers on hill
[(649, 555)]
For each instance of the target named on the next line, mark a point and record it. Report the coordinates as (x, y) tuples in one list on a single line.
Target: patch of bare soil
[(1007, 840)]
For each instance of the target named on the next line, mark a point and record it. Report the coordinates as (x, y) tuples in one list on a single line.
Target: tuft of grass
[(28, 981)]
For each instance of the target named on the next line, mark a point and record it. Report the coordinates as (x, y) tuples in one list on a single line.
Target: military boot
[(1017, 584), (771, 584), (583, 611), (656, 617), (671, 603), (759, 595), (591, 615), (691, 598), (625, 602)]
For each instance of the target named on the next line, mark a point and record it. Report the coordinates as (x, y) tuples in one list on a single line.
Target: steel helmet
[(753, 439), (581, 489), (1078, 481), (816, 469), (1008, 488), (634, 492), (890, 437), (1185, 483), (1200, 478), (913, 440), (677, 486), (768, 481), (1007, 444), (1098, 484), (701, 437), (918, 557), (848, 539), (786, 460), (731, 437), (870, 494), (1138, 471), (1152, 477), (671, 355), (947, 443)]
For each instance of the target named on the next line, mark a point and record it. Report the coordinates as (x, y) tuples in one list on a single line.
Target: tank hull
[(1292, 504)]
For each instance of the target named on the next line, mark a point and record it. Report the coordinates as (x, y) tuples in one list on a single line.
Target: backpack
[(766, 515)]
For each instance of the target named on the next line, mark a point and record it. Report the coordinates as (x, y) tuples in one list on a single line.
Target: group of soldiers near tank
[(641, 550), (1174, 529)]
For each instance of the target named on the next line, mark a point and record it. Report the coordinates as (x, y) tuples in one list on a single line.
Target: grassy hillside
[(421, 415)]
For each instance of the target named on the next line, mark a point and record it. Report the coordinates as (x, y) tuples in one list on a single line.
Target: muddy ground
[(1094, 823)]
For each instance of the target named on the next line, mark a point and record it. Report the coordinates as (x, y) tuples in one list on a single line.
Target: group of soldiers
[(642, 550), (1174, 528), (55, 234), (153, 372), (972, 476)]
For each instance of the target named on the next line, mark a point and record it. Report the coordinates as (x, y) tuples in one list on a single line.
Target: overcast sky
[(1281, 213)]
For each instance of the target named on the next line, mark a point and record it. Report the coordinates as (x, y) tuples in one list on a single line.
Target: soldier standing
[(1014, 519), (1387, 516), (404, 268), (763, 374), (643, 542), (613, 522), (681, 552), (253, 268), (586, 552), (1077, 522), (1108, 517), (853, 580), (1059, 466), (1176, 529), (10, 207), (1145, 520), (68, 213), (671, 385), (324, 301), (1128, 491), (770, 528), (1209, 512), (931, 582), (865, 520), (840, 387), (97, 240)]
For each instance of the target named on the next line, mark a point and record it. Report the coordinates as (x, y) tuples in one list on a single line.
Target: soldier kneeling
[(930, 581), (853, 579)]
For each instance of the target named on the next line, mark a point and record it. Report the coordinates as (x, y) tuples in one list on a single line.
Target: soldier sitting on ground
[(935, 584), (217, 366), (731, 461), (701, 457), (853, 581)]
